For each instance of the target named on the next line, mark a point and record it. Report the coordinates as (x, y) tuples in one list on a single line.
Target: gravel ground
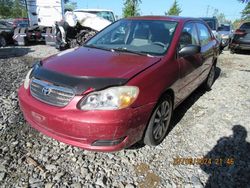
[(209, 144)]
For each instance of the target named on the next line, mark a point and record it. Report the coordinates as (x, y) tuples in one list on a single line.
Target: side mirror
[(189, 50)]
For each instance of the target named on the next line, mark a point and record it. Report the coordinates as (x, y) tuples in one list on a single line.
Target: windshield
[(224, 28), (103, 14), (245, 26), (149, 37)]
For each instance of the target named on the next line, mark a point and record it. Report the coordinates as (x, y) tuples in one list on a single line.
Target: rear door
[(208, 48)]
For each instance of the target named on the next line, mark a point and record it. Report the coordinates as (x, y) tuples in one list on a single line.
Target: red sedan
[(122, 86)]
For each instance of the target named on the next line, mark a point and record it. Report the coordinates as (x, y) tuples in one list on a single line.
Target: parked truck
[(49, 23), (42, 15)]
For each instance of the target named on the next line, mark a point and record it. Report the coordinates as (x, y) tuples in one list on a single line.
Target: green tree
[(245, 14), (131, 8), (175, 10), (236, 23), (5, 8), (221, 17), (18, 10), (12, 9), (70, 5)]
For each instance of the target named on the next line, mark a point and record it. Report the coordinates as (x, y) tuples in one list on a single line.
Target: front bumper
[(83, 128)]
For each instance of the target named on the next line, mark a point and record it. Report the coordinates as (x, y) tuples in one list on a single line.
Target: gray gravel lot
[(213, 125)]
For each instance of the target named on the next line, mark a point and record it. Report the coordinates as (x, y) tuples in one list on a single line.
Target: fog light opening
[(108, 142)]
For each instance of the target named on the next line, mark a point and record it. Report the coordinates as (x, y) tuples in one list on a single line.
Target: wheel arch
[(168, 92)]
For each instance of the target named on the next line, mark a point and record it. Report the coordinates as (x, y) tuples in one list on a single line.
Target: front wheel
[(210, 79), (159, 122)]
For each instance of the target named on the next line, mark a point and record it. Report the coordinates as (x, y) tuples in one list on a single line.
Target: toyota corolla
[(122, 86)]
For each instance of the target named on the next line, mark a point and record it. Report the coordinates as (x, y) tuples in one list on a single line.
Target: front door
[(189, 65)]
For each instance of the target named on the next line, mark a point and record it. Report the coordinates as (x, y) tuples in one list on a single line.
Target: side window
[(204, 34), (189, 35)]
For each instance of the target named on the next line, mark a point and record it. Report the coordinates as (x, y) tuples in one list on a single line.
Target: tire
[(3, 41), (159, 123), (210, 78)]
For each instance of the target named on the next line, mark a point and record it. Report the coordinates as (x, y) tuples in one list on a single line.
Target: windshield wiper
[(130, 51), (96, 47)]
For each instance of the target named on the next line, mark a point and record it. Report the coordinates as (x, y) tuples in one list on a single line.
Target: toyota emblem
[(46, 91)]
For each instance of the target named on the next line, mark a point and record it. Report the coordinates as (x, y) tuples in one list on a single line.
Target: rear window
[(211, 23), (245, 26), (224, 28)]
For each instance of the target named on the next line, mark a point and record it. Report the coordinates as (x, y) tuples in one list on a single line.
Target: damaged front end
[(76, 30)]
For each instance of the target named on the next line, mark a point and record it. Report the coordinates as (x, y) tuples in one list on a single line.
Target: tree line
[(131, 8), (12, 9), (17, 9)]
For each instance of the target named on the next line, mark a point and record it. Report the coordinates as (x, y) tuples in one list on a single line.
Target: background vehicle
[(103, 13), (21, 22), (80, 25), (47, 24), (122, 86), (241, 38), (225, 31), (42, 15), (213, 23), (6, 33)]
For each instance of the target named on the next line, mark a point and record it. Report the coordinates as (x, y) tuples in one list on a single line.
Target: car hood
[(87, 68), (98, 63)]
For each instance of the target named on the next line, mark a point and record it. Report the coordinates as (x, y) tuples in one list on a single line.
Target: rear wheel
[(159, 122), (210, 79), (3, 41)]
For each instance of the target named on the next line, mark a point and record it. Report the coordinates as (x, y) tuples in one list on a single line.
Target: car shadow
[(181, 110), (243, 52), (228, 163), (8, 52)]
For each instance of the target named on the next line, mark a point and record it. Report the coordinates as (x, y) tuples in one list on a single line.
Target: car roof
[(167, 18)]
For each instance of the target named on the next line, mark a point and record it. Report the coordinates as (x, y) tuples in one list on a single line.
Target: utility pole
[(208, 7)]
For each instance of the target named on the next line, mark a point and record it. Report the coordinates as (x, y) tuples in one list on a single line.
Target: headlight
[(27, 79), (110, 99)]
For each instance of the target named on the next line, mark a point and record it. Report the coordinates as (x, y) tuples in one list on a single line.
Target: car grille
[(51, 94)]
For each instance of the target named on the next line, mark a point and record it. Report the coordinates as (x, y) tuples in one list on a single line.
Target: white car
[(103, 13)]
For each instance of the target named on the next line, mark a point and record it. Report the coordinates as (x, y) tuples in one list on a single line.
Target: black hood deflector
[(78, 83)]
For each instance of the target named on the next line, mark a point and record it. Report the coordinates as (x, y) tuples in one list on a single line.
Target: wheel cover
[(211, 75), (161, 120)]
